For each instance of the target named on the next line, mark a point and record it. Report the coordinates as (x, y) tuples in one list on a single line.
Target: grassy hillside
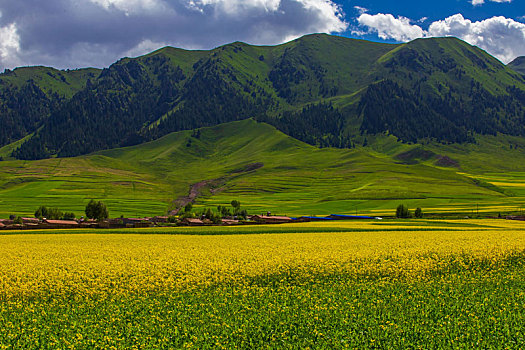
[(29, 95), (65, 83), (267, 170)]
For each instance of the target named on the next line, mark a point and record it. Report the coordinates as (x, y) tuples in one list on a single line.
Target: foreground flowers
[(393, 279)]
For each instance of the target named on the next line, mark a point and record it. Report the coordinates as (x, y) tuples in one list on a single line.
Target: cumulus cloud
[(502, 37), (389, 27), (9, 45), (78, 33)]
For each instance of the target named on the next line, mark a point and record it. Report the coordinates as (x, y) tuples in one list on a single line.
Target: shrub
[(418, 213), (41, 212), (402, 211), (69, 216), (49, 213), (96, 210)]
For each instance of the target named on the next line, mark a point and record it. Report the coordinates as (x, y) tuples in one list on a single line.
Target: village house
[(137, 222), (26, 221), (192, 222), (61, 223), (229, 222), (268, 219), (162, 219)]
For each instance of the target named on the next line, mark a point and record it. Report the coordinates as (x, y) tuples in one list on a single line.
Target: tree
[(236, 206), (96, 210), (69, 216), (41, 212), (402, 211), (224, 211), (54, 214), (188, 207), (418, 213), (48, 213)]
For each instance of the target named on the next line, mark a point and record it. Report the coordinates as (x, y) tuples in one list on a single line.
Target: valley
[(269, 171)]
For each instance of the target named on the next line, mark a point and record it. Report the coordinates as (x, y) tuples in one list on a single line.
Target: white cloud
[(9, 46), (481, 2), (76, 33), (130, 7), (360, 9), (502, 37), (233, 7), (389, 27), (145, 47)]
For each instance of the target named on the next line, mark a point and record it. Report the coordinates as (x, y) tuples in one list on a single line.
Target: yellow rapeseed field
[(100, 264)]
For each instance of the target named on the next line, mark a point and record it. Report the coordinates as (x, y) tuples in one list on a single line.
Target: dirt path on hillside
[(213, 185), (195, 191)]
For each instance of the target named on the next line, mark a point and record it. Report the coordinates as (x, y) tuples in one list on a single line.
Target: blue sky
[(437, 10), (81, 33), (494, 25)]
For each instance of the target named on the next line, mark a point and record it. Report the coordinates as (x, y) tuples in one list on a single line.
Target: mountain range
[(318, 125), (327, 91)]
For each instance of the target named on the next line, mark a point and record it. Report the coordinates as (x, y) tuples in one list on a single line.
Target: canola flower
[(90, 265)]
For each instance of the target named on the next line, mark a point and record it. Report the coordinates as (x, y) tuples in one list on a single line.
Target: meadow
[(291, 178), (366, 284)]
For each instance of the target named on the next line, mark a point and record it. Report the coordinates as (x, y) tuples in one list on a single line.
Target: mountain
[(29, 95), (324, 90), (518, 65)]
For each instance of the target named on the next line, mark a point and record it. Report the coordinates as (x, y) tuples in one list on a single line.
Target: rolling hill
[(268, 170), (324, 90)]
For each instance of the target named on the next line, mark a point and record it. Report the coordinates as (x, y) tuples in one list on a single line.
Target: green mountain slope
[(29, 95), (321, 89), (518, 65), (268, 170)]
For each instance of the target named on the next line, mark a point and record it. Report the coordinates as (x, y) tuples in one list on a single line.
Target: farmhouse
[(61, 223), (192, 222), (30, 221), (137, 222), (163, 219), (229, 222), (2, 225), (267, 219)]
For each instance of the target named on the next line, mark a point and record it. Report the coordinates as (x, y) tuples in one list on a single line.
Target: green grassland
[(267, 170)]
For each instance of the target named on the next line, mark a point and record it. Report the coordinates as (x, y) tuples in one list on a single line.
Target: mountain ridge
[(322, 89)]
